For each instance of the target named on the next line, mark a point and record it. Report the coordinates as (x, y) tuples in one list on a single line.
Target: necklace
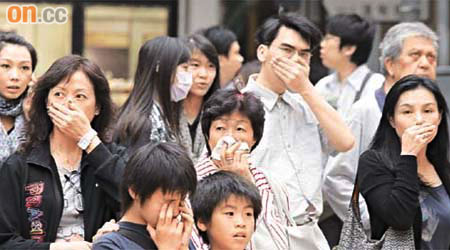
[(70, 162)]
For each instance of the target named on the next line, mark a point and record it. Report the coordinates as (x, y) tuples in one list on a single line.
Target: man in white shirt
[(301, 128), (407, 48), (345, 49)]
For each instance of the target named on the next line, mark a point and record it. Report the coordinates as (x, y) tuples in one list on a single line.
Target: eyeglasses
[(289, 52)]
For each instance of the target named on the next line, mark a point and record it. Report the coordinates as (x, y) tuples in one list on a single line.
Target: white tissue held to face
[(228, 141)]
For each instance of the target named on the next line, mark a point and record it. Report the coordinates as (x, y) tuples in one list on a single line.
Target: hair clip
[(240, 95), (157, 66)]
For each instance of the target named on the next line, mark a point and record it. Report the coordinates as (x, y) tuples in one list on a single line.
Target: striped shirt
[(271, 224)]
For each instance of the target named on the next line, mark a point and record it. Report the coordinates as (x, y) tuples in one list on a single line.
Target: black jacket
[(392, 194), (32, 199)]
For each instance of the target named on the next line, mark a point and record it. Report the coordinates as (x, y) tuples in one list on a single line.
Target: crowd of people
[(208, 153)]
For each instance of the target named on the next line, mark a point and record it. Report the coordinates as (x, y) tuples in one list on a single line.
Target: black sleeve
[(392, 194), (109, 162), (12, 226)]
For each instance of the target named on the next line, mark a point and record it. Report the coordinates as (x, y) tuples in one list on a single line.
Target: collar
[(269, 98), (357, 76), (354, 79), (380, 96), (40, 155)]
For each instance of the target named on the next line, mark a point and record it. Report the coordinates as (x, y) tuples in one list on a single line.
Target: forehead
[(198, 55), (15, 52), (418, 96), (234, 46), (78, 80), (169, 196), (291, 37), (236, 201), (235, 116), (418, 43)]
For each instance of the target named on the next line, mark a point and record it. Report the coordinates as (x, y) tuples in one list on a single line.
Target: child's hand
[(187, 217), (168, 232)]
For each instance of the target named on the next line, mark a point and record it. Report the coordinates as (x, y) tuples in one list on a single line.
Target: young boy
[(156, 181), (226, 207)]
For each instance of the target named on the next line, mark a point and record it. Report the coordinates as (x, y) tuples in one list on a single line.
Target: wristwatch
[(84, 142)]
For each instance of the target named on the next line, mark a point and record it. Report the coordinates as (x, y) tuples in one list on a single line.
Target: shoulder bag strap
[(363, 85), (355, 200)]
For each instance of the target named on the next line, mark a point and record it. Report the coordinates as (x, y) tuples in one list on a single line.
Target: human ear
[(201, 225), (132, 193), (391, 121), (349, 50), (389, 66), (97, 110), (261, 52)]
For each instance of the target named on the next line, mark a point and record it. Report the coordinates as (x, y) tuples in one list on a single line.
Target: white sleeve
[(340, 172)]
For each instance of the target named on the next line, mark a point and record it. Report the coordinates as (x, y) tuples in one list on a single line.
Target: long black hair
[(158, 61), (386, 140)]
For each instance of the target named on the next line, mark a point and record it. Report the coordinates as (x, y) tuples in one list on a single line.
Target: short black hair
[(221, 38), (268, 31), (353, 30), (15, 39), (217, 188), (225, 102), (162, 165)]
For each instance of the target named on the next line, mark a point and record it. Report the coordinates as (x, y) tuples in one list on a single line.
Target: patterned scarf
[(10, 107)]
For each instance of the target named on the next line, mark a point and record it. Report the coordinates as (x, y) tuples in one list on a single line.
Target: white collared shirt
[(293, 149), (341, 94)]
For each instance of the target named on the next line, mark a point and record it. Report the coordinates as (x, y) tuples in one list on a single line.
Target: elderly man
[(301, 128), (407, 48)]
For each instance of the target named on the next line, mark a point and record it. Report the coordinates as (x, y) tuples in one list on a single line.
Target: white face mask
[(180, 88)]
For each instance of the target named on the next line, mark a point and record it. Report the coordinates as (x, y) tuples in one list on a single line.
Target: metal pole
[(443, 31)]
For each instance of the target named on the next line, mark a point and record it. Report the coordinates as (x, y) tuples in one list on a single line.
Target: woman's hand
[(69, 120), (415, 138), (235, 160), (169, 233), (108, 227), (73, 245)]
